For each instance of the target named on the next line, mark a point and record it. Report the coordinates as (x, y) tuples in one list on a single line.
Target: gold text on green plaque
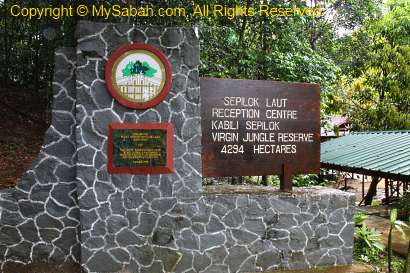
[(139, 148)]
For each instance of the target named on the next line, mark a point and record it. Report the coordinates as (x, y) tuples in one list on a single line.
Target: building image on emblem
[(139, 87), (139, 76)]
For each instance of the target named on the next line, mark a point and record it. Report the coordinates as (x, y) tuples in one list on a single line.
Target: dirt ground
[(23, 123), (41, 267), (399, 244), (47, 268), (378, 215), (355, 186)]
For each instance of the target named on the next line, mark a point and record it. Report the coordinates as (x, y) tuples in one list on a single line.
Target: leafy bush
[(375, 204), (404, 206), (398, 225), (369, 249), (308, 180), (367, 246), (273, 180), (359, 218)]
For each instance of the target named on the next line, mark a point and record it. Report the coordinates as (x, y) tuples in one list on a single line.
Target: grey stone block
[(214, 225), (115, 223), (146, 224), (128, 238), (121, 255), (168, 257), (102, 261), (207, 241), (236, 255), (243, 236), (163, 236), (268, 259), (188, 240), (201, 261), (172, 37), (9, 235)]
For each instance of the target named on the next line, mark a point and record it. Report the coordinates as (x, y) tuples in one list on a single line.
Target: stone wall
[(245, 229), (249, 229), (39, 219), (155, 223)]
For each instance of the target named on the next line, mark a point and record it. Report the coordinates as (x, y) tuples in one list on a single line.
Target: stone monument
[(72, 207)]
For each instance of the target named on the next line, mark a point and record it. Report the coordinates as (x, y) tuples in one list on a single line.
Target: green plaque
[(140, 148)]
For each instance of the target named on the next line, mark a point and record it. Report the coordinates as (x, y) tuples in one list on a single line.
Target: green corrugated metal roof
[(385, 151)]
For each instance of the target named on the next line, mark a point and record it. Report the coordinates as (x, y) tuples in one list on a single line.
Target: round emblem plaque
[(138, 76)]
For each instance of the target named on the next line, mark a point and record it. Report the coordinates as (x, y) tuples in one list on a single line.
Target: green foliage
[(267, 49), (359, 218), (273, 180), (367, 244), (376, 84), (375, 204), (398, 225), (308, 180), (404, 206), (27, 46), (137, 67), (351, 13), (380, 98), (407, 263), (379, 263), (395, 25)]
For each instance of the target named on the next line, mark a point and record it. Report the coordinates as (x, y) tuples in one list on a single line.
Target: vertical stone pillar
[(124, 218), (39, 218)]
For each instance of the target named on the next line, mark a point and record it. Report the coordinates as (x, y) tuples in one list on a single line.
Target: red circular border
[(138, 105)]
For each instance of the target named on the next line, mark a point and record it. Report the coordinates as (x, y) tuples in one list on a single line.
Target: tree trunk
[(243, 26), (313, 38), (37, 68), (372, 191), (6, 46), (237, 180), (389, 250), (241, 38), (264, 180)]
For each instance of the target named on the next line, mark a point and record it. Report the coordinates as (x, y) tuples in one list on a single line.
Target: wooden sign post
[(260, 128), (286, 178)]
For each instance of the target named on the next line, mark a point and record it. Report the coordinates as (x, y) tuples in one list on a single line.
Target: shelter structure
[(340, 127), (381, 155)]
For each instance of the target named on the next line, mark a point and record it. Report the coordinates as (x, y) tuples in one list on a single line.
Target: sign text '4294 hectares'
[(256, 126)]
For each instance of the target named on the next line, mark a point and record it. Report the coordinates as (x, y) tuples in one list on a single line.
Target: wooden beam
[(386, 191), (393, 176)]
